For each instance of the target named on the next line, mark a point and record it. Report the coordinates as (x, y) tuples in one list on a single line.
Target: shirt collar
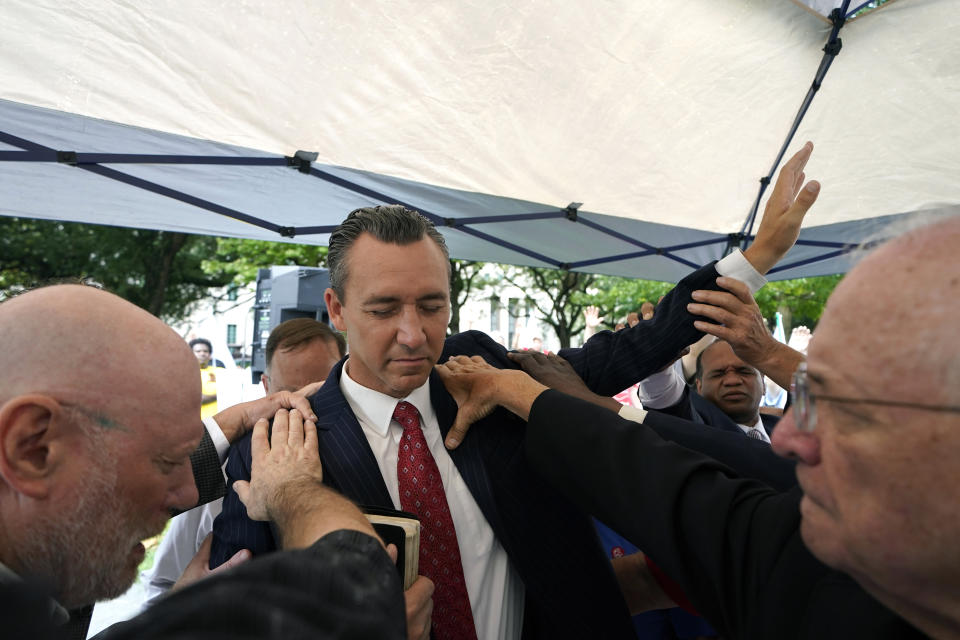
[(375, 409)]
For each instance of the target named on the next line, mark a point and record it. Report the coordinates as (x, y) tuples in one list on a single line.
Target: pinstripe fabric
[(571, 591)]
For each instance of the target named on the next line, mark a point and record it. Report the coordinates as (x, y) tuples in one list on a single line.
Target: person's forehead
[(720, 355), (313, 359), (368, 254)]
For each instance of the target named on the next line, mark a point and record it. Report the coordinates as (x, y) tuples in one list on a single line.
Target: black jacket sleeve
[(344, 586)]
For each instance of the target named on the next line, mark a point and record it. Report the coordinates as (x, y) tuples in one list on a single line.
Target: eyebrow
[(391, 299)]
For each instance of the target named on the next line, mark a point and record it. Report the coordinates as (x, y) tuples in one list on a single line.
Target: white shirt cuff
[(736, 266), (663, 388), (219, 440), (632, 413)]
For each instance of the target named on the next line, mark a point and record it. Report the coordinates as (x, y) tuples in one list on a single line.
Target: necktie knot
[(755, 434), (407, 416)]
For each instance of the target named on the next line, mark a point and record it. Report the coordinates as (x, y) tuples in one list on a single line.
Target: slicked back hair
[(299, 331), (387, 223)]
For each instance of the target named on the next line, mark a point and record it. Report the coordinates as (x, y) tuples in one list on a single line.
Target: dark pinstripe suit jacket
[(570, 587)]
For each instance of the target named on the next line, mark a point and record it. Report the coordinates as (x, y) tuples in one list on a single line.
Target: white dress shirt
[(495, 590)]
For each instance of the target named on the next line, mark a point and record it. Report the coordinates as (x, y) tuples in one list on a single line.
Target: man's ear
[(31, 443), (699, 384), (265, 381), (334, 308)]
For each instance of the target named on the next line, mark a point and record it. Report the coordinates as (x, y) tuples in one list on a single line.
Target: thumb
[(466, 416), (458, 431), (237, 559), (242, 487)]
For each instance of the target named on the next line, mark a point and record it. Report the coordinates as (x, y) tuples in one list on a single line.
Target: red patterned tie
[(421, 492)]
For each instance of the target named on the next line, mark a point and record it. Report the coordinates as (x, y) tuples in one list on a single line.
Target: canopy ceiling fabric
[(660, 117)]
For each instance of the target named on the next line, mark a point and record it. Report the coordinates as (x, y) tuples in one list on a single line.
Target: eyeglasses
[(805, 409)]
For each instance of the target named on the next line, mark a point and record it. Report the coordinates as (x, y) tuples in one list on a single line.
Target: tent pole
[(838, 17)]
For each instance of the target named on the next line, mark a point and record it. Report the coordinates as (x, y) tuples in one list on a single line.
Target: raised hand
[(784, 213)]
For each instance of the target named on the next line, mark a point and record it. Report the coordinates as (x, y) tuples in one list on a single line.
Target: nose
[(410, 330), (731, 378), (790, 442), (183, 494)]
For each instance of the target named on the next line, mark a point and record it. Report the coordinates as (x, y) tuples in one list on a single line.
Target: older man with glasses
[(865, 546)]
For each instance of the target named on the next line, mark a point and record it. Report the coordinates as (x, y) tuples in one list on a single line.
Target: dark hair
[(202, 341), (387, 223), (293, 333)]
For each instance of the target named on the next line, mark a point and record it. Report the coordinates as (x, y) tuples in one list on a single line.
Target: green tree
[(565, 296), (159, 271), (238, 260), (616, 297), (466, 277), (800, 301)]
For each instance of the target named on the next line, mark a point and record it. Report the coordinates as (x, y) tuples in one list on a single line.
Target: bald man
[(866, 546), (93, 458)]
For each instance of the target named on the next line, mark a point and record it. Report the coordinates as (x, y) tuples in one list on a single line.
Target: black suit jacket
[(577, 597), (344, 586), (732, 543)]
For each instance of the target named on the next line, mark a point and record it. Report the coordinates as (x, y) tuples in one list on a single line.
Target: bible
[(401, 529)]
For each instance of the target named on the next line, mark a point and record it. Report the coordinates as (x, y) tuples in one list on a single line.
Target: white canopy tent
[(489, 117)]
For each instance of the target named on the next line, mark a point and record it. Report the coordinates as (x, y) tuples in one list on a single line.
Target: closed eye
[(167, 466)]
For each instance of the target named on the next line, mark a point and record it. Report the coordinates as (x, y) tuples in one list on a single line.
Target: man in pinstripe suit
[(390, 293)]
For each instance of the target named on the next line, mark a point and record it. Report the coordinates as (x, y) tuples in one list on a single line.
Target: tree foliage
[(159, 271), (616, 297), (238, 260), (800, 300), (466, 277), (566, 296)]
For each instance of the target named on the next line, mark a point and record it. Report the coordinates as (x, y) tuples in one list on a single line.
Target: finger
[(422, 588), (259, 446), (715, 313), (311, 443), (737, 288), (310, 389), (235, 560), (392, 552), (242, 487), (798, 161), (721, 299), (709, 328), (798, 183), (805, 199), (519, 357), (478, 360), (299, 401), (281, 428), (457, 432), (294, 429), (203, 553)]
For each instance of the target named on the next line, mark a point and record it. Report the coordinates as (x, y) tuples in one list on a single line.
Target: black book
[(402, 529)]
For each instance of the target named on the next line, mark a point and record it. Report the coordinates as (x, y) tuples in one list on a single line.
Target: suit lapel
[(348, 463), (468, 457)]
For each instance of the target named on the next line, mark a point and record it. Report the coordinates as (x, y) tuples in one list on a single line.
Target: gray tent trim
[(178, 189)]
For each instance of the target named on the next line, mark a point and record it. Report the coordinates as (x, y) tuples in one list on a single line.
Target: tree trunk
[(157, 281)]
